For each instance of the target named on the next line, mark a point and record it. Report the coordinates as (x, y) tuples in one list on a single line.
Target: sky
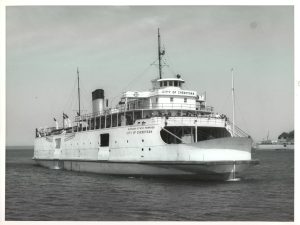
[(114, 48)]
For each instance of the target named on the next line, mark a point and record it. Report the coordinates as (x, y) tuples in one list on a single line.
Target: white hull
[(144, 153), (225, 170)]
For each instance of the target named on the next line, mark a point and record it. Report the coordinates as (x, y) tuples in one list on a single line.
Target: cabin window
[(170, 83), (165, 83), (114, 120), (97, 122), (176, 83), (171, 99), (108, 121), (185, 99), (104, 140), (102, 122), (57, 142)]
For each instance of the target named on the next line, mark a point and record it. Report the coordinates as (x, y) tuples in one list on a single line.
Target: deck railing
[(178, 106), (159, 109), (238, 132)]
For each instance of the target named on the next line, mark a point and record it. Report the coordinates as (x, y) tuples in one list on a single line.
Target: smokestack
[(98, 100)]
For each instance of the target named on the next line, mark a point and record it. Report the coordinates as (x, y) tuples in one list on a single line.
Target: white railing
[(156, 107), (238, 132)]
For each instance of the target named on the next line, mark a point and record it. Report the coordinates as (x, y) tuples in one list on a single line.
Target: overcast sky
[(115, 46)]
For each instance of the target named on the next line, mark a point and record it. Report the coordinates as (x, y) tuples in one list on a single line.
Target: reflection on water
[(266, 193)]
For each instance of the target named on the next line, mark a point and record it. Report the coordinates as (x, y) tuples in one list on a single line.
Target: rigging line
[(70, 103), (244, 121), (134, 79), (225, 102), (70, 96), (84, 94)]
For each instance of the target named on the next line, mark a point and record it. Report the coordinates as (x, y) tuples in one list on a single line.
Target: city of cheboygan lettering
[(175, 92), (140, 130)]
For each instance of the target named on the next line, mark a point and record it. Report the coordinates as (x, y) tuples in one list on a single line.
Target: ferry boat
[(166, 131)]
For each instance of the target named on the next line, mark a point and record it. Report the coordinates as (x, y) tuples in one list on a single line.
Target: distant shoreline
[(26, 147)]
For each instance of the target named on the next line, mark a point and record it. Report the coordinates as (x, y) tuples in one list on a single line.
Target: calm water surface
[(266, 193)]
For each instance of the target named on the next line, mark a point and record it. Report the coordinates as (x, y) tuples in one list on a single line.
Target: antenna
[(233, 104), (159, 55), (78, 92)]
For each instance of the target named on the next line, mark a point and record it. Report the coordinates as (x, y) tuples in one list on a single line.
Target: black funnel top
[(98, 93)]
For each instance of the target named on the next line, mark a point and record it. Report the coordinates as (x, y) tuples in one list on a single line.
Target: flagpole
[(78, 91), (159, 55), (233, 104)]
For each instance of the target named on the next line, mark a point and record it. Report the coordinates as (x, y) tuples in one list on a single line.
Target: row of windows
[(103, 141), (170, 83), (172, 99)]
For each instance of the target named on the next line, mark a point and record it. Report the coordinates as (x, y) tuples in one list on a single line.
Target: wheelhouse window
[(170, 83), (176, 83), (165, 83), (161, 84)]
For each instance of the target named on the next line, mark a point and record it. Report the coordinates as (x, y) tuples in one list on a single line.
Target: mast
[(78, 92), (233, 104), (159, 55)]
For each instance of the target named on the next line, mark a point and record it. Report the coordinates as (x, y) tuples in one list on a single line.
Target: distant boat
[(279, 145)]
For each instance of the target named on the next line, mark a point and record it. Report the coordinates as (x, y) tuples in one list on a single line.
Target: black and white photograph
[(149, 113)]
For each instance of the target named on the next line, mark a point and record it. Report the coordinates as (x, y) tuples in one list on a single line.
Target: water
[(34, 193)]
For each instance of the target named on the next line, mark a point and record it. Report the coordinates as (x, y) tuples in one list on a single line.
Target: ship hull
[(214, 170), (143, 153)]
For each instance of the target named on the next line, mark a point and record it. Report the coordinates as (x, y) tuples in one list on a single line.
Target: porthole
[(149, 149), (142, 149), (142, 140)]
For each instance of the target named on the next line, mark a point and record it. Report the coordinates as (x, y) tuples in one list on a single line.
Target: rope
[(70, 99), (226, 100), (134, 79), (244, 121)]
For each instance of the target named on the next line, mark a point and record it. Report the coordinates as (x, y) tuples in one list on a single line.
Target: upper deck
[(167, 97)]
